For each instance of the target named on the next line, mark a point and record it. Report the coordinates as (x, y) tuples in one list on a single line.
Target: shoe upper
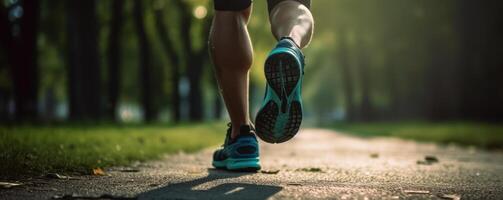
[(245, 145)]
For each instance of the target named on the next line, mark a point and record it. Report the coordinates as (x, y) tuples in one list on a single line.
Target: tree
[(4, 89), (144, 63), (84, 72), (342, 54), (195, 59), (174, 58), (114, 57), (481, 48), (392, 81), (365, 109), (20, 40)]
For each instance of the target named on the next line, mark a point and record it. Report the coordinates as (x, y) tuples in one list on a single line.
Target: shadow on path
[(185, 190)]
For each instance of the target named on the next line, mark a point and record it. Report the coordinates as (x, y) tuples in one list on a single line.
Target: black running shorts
[(272, 3), (237, 5)]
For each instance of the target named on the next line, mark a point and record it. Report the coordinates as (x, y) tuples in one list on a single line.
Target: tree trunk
[(4, 38), (393, 112), (168, 46), (195, 60), (366, 111), (84, 70), (193, 68), (481, 47), (21, 42), (114, 58), (346, 76), (144, 63), (442, 94), (194, 73)]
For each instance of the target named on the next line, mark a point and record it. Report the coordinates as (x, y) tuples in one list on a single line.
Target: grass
[(67, 149), (487, 136)]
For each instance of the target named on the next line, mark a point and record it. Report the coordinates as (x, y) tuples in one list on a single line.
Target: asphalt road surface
[(316, 164)]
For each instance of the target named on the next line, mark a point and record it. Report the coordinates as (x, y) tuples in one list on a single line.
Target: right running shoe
[(239, 154), (280, 116)]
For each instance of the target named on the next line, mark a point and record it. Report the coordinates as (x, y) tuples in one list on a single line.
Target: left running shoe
[(280, 116), (239, 154)]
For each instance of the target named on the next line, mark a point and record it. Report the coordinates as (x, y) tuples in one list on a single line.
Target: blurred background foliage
[(147, 61)]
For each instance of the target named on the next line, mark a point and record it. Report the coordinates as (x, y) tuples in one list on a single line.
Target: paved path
[(315, 164)]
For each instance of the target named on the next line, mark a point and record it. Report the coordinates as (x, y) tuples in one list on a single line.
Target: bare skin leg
[(292, 19), (232, 55)]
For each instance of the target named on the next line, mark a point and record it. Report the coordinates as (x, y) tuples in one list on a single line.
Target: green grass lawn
[(488, 136), (69, 149)]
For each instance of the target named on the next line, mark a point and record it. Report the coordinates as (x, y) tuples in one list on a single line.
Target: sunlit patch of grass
[(42, 149), (489, 136)]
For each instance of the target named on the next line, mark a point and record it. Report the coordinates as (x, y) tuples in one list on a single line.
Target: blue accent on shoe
[(280, 115), (240, 154)]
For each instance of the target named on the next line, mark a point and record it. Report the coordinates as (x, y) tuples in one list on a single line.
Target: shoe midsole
[(238, 163)]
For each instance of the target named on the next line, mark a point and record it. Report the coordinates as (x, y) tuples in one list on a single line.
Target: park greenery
[(467, 134), (147, 61), (82, 148)]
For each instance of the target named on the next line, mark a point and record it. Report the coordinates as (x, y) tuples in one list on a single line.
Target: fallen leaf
[(450, 196), (374, 155), (99, 172), (312, 169), (428, 160), (416, 192), (432, 159), (57, 176), (8, 185), (274, 171)]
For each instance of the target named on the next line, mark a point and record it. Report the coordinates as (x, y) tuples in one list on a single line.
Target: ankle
[(236, 129), (297, 40), (235, 132)]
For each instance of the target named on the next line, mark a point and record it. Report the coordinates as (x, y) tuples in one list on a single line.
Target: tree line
[(93, 70), (414, 60)]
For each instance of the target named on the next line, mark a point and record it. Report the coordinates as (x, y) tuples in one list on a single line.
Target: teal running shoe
[(280, 116), (240, 154)]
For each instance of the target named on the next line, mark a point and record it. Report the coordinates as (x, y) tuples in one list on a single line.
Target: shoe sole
[(238, 164), (280, 118)]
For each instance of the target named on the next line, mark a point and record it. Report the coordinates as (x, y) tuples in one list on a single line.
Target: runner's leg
[(232, 56)]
